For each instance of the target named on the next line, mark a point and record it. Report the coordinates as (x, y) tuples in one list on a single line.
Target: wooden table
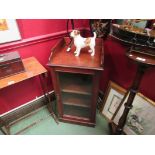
[(32, 69)]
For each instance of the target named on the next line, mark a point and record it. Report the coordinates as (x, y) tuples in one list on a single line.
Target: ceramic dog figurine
[(81, 42)]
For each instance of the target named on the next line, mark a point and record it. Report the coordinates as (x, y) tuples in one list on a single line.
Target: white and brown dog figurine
[(81, 42)]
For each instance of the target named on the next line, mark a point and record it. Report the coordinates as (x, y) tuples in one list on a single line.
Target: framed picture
[(9, 31), (141, 118), (112, 100)]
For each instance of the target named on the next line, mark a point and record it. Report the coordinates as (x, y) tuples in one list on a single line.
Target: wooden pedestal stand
[(144, 61)]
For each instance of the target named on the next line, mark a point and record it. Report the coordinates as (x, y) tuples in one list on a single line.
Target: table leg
[(47, 96), (7, 127), (132, 92)]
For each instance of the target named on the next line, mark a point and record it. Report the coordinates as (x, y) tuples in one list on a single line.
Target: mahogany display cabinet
[(76, 81)]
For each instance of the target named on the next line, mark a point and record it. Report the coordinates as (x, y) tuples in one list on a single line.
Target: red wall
[(35, 27), (117, 66), (16, 95)]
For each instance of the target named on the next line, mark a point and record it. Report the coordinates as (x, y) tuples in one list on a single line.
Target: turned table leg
[(132, 92)]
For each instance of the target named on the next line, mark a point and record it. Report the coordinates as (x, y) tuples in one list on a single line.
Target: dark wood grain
[(10, 64), (76, 81), (142, 67), (85, 60), (148, 59)]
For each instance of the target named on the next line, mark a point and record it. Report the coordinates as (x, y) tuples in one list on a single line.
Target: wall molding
[(34, 40)]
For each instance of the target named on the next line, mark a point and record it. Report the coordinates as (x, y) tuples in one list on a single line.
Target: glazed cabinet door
[(76, 94)]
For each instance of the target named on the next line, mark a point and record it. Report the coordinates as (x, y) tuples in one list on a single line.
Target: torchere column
[(132, 92)]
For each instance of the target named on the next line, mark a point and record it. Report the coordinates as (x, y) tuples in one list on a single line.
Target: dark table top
[(141, 58)]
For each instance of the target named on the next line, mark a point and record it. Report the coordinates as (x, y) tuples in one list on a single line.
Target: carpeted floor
[(47, 126)]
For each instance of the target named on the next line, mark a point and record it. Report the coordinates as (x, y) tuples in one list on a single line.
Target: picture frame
[(112, 100), (9, 31), (141, 118)]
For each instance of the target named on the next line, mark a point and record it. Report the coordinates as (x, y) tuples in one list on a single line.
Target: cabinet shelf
[(82, 92), (76, 83), (76, 111), (76, 100)]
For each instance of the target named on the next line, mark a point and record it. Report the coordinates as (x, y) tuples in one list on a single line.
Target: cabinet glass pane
[(76, 111), (76, 93), (79, 100), (76, 83)]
